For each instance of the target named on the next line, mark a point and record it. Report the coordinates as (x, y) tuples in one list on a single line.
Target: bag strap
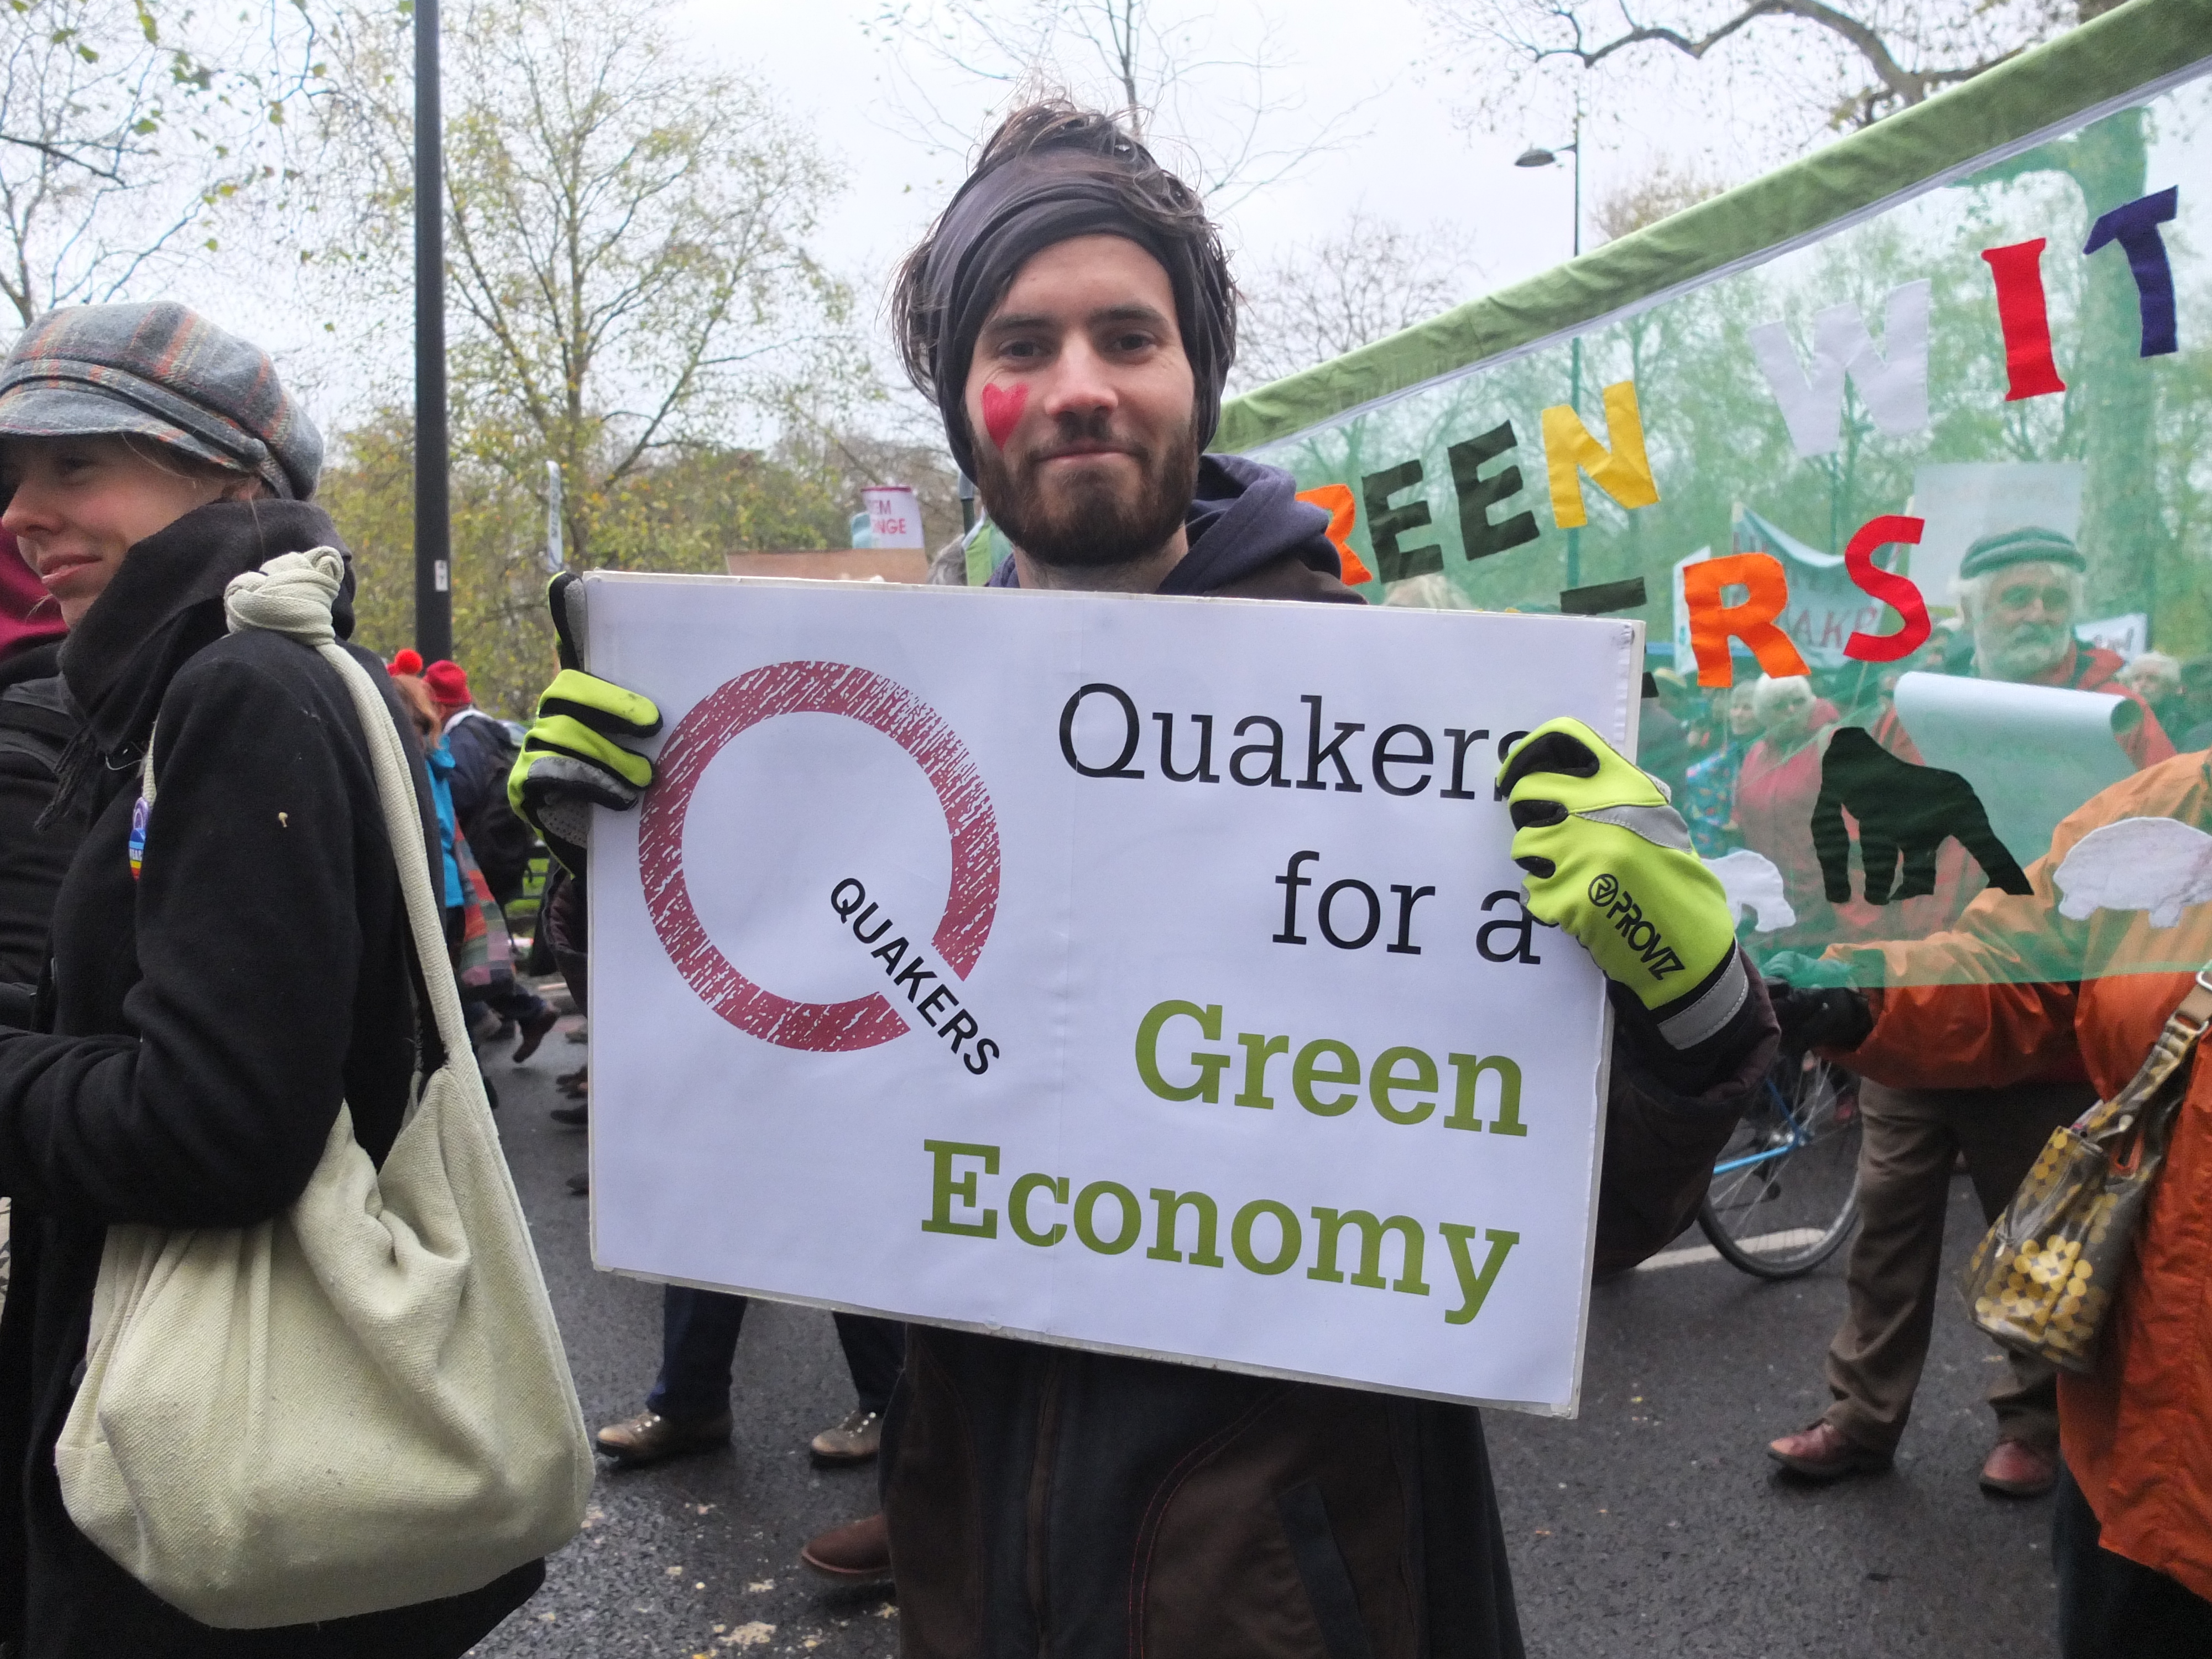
[(2175, 1042), (292, 595)]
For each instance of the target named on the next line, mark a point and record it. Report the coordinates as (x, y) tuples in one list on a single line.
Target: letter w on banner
[(1894, 387)]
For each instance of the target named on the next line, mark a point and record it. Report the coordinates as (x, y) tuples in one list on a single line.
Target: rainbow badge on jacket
[(138, 816)]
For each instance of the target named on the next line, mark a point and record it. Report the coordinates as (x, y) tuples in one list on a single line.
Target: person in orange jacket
[(2085, 969)]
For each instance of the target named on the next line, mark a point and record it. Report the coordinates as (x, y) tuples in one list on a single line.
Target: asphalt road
[(1652, 1525)]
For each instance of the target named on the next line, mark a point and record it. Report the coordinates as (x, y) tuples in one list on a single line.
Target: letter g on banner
[(814, 688)]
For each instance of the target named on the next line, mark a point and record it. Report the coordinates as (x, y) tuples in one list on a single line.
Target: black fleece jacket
[(205, 1019)]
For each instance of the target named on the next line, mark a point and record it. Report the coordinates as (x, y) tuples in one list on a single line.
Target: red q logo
[(814, 688)]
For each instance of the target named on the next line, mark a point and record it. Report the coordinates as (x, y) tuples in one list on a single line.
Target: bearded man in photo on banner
[(1072, 313)]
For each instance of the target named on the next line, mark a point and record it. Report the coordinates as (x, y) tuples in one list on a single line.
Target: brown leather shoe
[(1824, 1452), (861, 1550), (649, 1437), (855, 1440), (2016, 1469)]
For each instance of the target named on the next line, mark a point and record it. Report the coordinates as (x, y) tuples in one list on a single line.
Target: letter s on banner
[(1712, 623), (1898, 591)]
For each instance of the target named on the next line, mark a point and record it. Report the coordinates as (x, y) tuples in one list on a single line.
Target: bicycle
[(1784, 1196)]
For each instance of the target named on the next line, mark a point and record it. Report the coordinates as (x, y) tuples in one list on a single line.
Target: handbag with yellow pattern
[(2043, 1279)]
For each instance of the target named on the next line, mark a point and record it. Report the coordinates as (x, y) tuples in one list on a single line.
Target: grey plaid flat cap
[(165, 373)]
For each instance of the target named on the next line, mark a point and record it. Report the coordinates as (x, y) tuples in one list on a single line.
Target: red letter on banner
[(1894, 590), (1712, 623), (1338, 501), (2026, 320)]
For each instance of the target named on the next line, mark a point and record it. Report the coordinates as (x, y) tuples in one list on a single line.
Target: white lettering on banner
[(1166, 934), (1895, 388)]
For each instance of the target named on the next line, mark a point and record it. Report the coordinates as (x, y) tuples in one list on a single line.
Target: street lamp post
[(434, 537), (1533, 157)]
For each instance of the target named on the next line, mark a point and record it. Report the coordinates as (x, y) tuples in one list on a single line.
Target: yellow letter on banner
[(1621, 472)]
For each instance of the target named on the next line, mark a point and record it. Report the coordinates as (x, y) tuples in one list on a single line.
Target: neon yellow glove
[(570, 762), (1610, 861)]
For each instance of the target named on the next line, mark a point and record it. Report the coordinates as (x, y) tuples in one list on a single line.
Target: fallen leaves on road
[(760, 1584), (754, 1634)]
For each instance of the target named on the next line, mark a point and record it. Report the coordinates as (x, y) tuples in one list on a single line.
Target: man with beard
[(1071, 314), (2020, 592)]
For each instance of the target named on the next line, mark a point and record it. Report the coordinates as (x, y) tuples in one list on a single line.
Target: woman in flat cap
[(225, 971)]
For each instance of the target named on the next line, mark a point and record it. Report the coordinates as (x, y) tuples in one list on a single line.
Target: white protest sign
[(894, 515), (1142, 974)]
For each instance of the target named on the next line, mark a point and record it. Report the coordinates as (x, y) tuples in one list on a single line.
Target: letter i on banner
[(1713, 623), (2025, 319), (1623, 471)]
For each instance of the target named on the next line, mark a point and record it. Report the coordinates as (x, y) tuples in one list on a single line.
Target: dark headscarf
[(1088, 184)]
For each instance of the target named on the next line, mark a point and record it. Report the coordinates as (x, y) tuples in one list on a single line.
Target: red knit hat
[(448, 683), (409, 660)]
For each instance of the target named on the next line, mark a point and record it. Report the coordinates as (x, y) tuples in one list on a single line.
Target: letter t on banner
[(2134, 227), (1712, 623), (2025, 318), (1622, 472), (1899, 591)]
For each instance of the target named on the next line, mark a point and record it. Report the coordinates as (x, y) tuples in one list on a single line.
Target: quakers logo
[(814, 688)]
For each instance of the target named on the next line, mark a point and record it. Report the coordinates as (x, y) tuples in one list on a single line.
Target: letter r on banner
[(1343, 508), (1622, 472), (1712, 623)]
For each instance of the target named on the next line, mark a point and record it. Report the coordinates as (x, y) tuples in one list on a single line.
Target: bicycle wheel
[(1785, 1191)]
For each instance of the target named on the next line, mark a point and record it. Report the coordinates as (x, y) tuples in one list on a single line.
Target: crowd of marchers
[(228, 915)]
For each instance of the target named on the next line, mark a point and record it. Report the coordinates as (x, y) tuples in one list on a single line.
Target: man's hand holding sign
[(1215, 887)]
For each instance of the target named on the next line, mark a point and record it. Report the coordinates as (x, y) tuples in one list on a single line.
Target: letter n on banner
[(1712, 623), (1622, 472)]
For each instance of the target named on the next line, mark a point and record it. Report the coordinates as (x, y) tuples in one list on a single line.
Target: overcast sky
[(1384, 88), (1399, 153)]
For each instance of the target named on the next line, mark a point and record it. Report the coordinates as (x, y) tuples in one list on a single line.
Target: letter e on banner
[(1898, 591), (1713, 623)]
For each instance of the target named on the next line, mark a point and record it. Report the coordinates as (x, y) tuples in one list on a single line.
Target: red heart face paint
[(1002, 411)]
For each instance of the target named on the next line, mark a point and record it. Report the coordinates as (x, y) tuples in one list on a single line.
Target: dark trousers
[(699, 1340), (1893, 1275), (2111, 1608)]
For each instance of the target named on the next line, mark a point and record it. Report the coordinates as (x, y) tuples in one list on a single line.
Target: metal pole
[(557, 551), (1575, 348), (433, 539), (967, 504)]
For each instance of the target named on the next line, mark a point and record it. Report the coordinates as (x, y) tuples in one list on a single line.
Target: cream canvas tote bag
[(363, 1403)]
